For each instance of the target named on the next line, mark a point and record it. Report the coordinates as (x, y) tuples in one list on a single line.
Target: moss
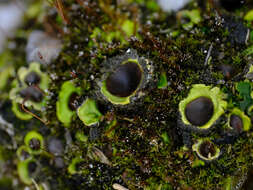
[(162, 83), (143, 143)]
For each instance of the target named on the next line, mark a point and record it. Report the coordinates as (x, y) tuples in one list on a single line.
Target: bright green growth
[(16, 108), (200, 90), (245, 119), (250, 70), (63, 112), (228, 184), (23, 171), (162, 83), (88, 112), (114, 99), (250, 109), (198, 163), (34, 135), (5, 74), (72, 167), (151, 4), (128, 27), (165, 138), (81, 137), (244, 89), (193, 15), (249, 16), (196, 148)]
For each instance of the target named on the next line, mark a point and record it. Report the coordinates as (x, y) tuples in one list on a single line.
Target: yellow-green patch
[(23, 171), (196, 148), (200, 90), (34, 135), (63, 112), (16, 108), (88, 112), (119, 100), (72, 167)]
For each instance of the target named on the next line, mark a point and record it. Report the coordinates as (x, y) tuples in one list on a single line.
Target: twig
[(34, 115)]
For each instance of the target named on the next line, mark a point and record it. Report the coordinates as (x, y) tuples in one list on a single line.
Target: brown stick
[(29, 112), (60, 8)]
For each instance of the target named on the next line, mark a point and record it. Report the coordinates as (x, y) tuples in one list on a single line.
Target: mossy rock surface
[(139, 143)]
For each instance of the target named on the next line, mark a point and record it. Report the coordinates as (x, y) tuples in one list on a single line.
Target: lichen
[(138, 145)]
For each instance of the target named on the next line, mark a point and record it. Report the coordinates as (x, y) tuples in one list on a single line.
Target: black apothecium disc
[(124, 80), (236, 123), (32, 78), (199, 111)]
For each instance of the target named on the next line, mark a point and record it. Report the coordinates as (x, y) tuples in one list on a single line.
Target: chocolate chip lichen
[(121, 94), (199, 111), (124, 80), (206, 150)]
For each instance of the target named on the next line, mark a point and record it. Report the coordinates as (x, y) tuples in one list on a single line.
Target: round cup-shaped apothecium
[(206, 150), (30, 87), (66, 104), (72, 168), (238, 121), (123, 82), (199, 111), (32, 78), (202, 107), (34, 141), (125, 79), (23, 153)]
